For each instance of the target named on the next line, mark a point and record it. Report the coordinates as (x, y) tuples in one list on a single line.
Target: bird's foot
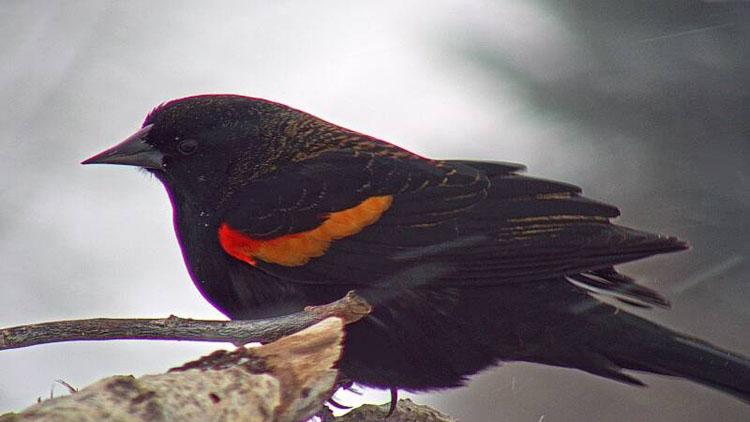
[(337, 405)]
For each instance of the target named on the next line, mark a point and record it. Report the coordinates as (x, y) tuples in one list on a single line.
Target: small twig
[(67, 385), (350, 308)]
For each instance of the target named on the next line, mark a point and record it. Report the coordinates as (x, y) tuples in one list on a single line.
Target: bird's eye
[(188, 146)]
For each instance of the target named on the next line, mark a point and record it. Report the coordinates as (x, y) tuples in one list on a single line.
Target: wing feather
[(479, 223)]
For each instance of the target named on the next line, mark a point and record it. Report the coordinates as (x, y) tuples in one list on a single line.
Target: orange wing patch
[(296, 249)]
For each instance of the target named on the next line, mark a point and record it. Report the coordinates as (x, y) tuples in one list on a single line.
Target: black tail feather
[(640, 345)]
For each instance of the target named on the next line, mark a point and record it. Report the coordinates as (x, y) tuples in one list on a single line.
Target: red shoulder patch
[(298, 248)]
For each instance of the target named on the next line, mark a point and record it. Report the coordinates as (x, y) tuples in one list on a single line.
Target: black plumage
[(467, 263)]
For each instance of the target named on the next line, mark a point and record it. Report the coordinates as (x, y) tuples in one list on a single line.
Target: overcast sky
[(643, 104)]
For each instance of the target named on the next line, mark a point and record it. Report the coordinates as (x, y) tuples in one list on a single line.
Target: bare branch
[(350, 308), (284, 381), (288, 379)]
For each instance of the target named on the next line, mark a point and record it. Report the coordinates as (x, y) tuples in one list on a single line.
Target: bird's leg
[(394, 402)]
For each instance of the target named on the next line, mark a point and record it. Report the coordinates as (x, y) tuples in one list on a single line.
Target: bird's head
[(203, 147)]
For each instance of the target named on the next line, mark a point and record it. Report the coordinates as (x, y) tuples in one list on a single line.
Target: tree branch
[(284, 381), (350, 308)]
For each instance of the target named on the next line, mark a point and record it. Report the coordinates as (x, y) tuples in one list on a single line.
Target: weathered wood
[(284, 381)]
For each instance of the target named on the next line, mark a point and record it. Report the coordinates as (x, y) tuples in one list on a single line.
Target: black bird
[(467, 263)]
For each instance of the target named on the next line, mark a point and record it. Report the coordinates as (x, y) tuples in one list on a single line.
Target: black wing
[(451, 223), (300, 196)]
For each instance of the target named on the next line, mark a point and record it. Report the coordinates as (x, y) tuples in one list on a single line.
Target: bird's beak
[(133, 151)]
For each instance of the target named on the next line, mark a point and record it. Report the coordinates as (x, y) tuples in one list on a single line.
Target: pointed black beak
[(133, 151)]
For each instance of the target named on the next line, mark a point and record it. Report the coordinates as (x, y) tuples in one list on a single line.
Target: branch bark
[(350, 308), (284, 381)]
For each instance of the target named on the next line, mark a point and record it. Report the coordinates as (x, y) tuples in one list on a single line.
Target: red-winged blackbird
[(467, 263)]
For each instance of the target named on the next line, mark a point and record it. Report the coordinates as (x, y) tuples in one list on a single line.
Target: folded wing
[(369, 220)]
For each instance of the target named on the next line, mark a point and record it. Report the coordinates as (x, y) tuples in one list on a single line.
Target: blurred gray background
[(645, 104)]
